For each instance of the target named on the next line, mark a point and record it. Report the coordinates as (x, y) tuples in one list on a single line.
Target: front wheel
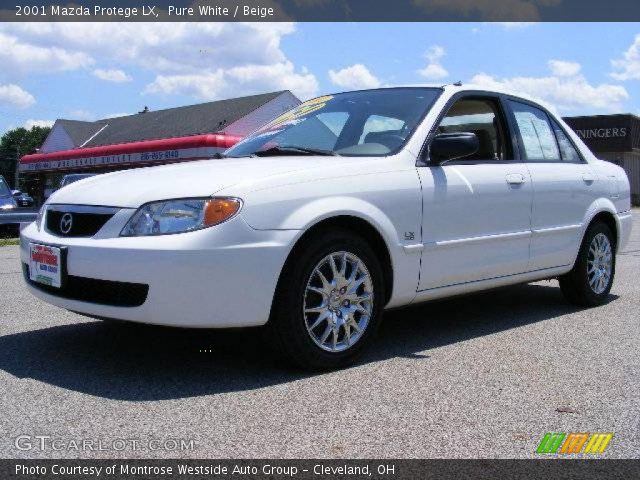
[(589, 282), (329, 301)]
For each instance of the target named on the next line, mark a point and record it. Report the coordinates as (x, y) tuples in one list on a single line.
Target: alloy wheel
[(599, 263), (338, 301)]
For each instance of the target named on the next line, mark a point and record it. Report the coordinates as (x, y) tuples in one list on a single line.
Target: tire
[(305, 307), (589, 282)]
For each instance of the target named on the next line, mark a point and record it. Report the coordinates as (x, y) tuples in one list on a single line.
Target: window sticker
[(294, 116), (537, 137)]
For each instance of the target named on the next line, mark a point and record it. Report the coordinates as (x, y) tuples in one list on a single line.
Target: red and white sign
[(196, 147), (45, 265)]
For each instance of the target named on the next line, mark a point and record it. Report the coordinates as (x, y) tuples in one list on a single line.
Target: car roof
[(455, 88), (499, 90)]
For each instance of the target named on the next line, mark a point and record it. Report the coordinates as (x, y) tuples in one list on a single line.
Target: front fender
[(394, 213)]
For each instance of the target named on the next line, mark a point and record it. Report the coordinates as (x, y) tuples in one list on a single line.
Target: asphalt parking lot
[(483, 376)]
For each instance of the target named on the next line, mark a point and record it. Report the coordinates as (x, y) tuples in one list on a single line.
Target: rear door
[(563, 185), (476, 220)]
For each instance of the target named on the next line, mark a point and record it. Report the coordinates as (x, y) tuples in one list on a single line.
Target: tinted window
[(479, 116), (320, 132), (367, 122), (537, 139), (334, 121), (567, 150)]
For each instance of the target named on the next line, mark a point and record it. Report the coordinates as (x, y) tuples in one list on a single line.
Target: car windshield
[(4, 188), (362, 123)]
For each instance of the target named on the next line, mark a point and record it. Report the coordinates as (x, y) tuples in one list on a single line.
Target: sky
[(89, 71)]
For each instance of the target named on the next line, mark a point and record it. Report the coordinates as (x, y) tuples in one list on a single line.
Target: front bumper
[(223, 276)]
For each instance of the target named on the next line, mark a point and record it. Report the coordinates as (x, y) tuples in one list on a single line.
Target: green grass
[(9, 241)]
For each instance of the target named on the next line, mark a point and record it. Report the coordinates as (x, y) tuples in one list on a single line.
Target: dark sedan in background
[(23, 199)]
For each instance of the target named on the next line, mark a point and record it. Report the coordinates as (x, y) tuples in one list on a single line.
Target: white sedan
[(346, 205)]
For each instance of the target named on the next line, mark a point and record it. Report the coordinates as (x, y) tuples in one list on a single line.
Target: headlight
[(178, 216)]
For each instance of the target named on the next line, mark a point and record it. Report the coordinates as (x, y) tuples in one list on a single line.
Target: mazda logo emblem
[(66, 222)]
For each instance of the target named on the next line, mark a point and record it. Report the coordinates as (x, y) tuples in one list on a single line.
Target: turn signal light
[(217, 210)]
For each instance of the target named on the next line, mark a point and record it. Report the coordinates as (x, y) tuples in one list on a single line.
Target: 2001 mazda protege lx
[(338, 208)]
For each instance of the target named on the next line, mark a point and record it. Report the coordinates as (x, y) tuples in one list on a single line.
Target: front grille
[(82, 224), (103, 292)]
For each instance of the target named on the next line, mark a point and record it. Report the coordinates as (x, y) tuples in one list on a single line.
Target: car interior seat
[(487, 150)]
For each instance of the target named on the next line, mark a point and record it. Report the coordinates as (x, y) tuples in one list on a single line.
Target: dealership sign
[(608, 133), (122, 159), (196, 147), (602, 133)]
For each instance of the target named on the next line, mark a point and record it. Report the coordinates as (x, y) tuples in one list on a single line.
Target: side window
[(567, 150), (537, 138), (482, 117)]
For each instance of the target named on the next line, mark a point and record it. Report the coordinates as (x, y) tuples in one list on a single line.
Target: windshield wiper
[(293, 150)]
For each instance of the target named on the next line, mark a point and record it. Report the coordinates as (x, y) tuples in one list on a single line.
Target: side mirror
[(16, 193), (451, 146)]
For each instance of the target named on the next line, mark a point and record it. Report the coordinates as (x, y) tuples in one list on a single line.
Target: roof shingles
[(211, 117)]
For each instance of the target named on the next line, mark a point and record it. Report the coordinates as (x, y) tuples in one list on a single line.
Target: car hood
[(132, 188)]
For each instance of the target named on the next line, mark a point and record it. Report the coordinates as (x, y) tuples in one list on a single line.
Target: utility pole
[(15, 182)]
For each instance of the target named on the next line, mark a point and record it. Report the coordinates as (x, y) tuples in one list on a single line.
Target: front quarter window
[(363, 123)]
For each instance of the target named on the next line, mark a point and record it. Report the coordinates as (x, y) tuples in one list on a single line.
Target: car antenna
[(457, 84)]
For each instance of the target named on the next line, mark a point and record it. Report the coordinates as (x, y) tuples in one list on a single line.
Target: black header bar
[(321, 10)]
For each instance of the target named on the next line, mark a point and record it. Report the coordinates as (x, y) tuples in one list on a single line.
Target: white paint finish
[(132, 188), (471, 225), (624, 222), (620, 193), (385, 192), (563, 193), (216, 277), (476, 224), (487, 284)]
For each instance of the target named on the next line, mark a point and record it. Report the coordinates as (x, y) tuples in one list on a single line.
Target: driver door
[(477, 209)]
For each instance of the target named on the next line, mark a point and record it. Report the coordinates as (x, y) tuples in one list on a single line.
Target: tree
[(16, 143)]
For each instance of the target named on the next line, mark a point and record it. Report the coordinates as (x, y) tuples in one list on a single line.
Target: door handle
[(588, 177), (515, 178)]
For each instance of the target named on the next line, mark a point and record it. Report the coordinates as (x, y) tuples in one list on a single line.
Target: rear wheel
[(589, 282), (329, 301)]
